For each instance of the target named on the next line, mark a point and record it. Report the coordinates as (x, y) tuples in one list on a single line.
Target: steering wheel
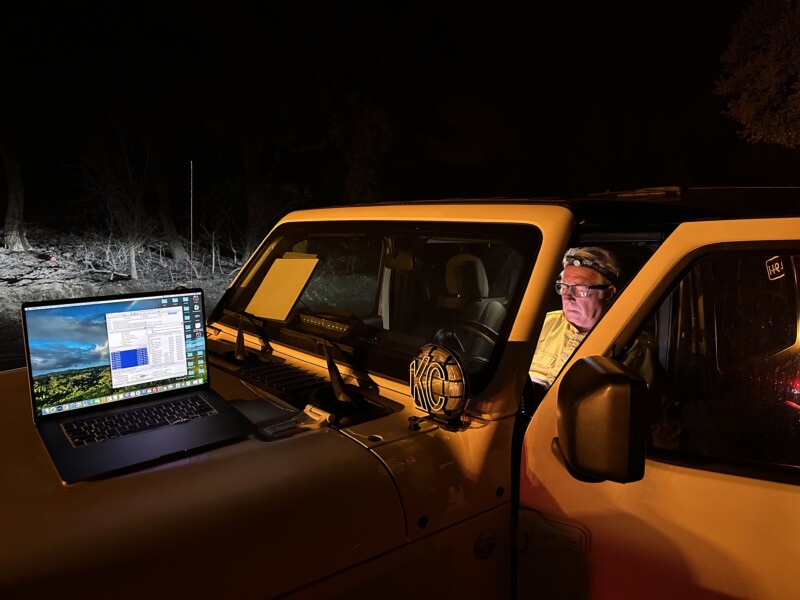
[(448, 335)]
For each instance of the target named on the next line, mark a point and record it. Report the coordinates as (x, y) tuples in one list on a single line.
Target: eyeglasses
[(579, 291)]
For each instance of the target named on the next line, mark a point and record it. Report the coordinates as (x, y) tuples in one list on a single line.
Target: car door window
[(729, 361)]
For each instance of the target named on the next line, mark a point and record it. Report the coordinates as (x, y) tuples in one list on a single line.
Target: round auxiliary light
[(437, 382)]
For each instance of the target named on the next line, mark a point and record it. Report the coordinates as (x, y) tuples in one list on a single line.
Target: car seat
[(470, 319)]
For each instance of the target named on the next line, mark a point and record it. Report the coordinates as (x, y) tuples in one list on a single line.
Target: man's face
[(584, 313)]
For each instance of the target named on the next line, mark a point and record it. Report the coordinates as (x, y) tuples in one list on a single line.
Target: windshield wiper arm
[(240, 349), (336, 377), (337, 382)]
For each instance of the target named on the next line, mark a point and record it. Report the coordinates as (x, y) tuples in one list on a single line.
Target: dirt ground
[(55, 267)]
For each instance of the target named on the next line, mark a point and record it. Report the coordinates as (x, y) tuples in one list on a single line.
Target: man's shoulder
[(554, 316), (553, 319)]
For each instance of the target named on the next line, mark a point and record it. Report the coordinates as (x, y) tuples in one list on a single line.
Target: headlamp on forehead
[(597, 259)]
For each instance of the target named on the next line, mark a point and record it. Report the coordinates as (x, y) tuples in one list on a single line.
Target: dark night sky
[(426, 102)]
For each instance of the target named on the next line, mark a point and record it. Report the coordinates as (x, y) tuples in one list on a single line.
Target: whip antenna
[(191, 224)]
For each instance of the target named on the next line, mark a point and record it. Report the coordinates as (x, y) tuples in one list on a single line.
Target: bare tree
[(761, 73), (119, 172), (218, 212), (176, 247), (15, 239)]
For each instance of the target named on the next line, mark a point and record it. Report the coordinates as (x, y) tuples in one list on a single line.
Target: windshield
[(380, 291)]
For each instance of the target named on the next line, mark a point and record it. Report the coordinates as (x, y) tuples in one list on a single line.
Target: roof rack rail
[(666, 192)]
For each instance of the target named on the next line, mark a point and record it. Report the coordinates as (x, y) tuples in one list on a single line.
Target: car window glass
[(390, 288), (728, 379), (346, 277), (753, 304)]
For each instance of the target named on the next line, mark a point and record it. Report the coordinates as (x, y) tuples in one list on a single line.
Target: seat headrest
[(465, 277), (402, 261)]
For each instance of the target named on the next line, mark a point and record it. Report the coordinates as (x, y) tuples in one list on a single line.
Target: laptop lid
[(87, 354)]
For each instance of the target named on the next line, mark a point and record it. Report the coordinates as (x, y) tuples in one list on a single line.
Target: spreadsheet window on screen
[(146, 345)]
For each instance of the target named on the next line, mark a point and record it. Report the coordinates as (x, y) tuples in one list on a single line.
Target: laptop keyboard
[(98, 429)]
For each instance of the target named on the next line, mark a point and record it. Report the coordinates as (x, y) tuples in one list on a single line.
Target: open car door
[(681, 481)]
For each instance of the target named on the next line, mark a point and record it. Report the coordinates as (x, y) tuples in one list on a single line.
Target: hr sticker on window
[(775, 268)]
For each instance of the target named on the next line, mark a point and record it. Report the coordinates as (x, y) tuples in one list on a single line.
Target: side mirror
[(603, 420)]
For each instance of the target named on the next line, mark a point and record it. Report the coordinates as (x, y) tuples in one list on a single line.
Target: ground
[(57, 267)]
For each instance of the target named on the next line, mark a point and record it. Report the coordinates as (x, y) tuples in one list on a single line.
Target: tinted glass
[(729, 363), (401, 285)]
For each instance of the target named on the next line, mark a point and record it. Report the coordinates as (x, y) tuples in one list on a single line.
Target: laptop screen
[(88, 352)]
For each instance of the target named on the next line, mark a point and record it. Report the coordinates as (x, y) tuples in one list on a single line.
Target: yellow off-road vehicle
[(400, 449)]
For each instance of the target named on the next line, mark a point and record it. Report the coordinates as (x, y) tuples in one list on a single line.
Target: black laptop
[(120, 382)]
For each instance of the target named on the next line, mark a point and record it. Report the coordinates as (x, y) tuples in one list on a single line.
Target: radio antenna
[(191, 223)]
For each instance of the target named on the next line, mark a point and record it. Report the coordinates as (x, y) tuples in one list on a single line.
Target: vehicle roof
[(664, 207)]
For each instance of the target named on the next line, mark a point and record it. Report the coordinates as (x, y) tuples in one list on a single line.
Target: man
[(586, 286)]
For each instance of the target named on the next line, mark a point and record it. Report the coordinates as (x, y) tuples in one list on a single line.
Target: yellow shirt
[(559, 339), (557, 342)]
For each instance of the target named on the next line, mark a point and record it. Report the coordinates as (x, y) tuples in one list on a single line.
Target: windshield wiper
[(336, 378), (240, 352), (337, 382)]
